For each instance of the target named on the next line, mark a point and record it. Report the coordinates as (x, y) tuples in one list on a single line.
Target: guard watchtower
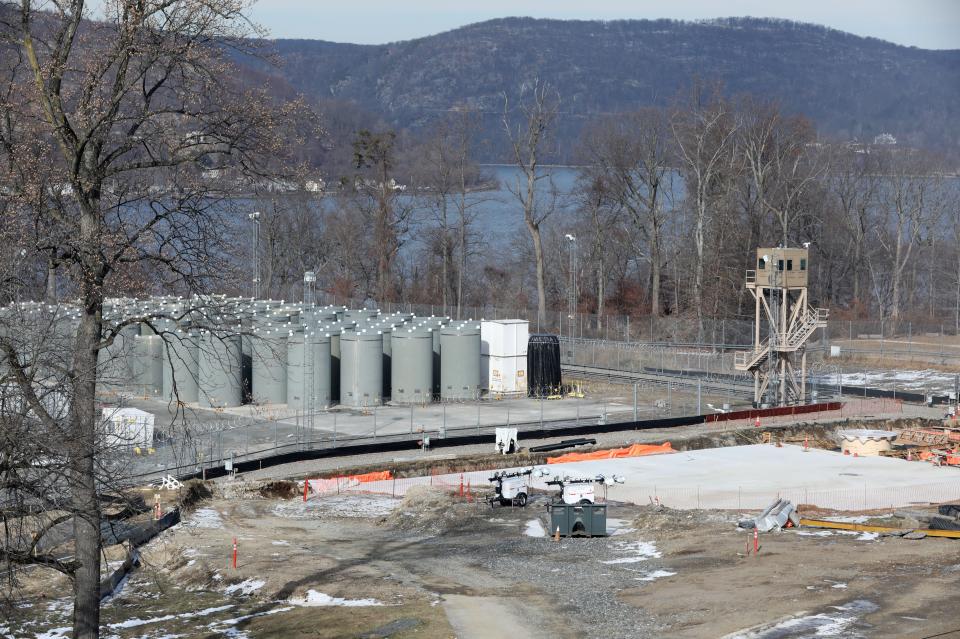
[(783, 324)]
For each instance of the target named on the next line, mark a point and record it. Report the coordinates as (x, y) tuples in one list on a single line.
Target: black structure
[(543, 365)]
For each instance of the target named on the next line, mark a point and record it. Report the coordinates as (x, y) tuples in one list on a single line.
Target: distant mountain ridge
[(850, 86)]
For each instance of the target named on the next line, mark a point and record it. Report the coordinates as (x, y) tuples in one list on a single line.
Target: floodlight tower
[(309, 280), (255, 218), (783, 324), (572, 290)]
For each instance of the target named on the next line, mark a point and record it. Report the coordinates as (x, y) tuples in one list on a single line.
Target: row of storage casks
[(359, 358)]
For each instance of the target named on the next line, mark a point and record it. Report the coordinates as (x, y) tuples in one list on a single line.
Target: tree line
[(668, 205)]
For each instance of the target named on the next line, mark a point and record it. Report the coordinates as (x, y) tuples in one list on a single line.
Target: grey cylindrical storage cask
[(319, 340), (299, 367), (148, 365), (269, 365), (180, 366), (361, 367), (436, 323), (361, 314), (411, 365), (296, 370), (116, 363), (385, 332), (460, 362), (220, 358)]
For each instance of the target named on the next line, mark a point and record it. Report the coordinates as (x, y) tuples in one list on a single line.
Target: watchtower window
[(803, 264), (761, 263), (789, 265), (779, 265)]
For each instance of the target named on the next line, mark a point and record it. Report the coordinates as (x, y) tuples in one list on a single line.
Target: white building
[(503, 356), (127, 427)]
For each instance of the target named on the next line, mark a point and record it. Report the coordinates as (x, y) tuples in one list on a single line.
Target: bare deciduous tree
[(113, 126), (528, 139), (703, 131)]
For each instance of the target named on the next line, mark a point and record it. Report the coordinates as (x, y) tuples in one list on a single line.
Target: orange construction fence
[(636, 450), (375, 476)]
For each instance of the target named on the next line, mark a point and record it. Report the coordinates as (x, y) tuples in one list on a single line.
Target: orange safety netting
[(365, 477), (636, 450)]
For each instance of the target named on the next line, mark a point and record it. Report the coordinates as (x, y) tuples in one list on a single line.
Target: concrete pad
[(753, 476), (748, 478)]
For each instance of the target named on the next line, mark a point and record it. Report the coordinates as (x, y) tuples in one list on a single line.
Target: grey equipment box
[(584, 520)]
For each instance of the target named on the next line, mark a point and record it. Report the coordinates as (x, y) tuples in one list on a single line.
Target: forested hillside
[(851, 87)]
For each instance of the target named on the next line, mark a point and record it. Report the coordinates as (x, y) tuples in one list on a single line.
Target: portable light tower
[(783, 324)]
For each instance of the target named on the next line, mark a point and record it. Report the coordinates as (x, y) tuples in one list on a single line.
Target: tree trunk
[(463, 263), (51, 281), (445, 248), (698, 266), (655, 261), (82, 447), (383, 248), (541, 287)]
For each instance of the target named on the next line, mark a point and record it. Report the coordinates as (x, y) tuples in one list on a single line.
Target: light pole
[(309, 278), (572, 304), (255, 217)]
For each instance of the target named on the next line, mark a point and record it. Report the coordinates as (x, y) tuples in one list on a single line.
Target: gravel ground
[(589, 594)]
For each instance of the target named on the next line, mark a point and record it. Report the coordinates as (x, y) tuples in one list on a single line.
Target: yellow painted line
[(951, 534), (840, 525)]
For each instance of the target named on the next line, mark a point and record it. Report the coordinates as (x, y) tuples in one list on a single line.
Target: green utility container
[(584, 520)]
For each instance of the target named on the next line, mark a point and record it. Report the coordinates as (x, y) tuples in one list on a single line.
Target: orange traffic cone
[(757, 422), (556, 535)]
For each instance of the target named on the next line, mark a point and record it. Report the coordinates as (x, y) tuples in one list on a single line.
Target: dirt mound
[(279, 490), (434, 511), (661, 519), (193, 492)]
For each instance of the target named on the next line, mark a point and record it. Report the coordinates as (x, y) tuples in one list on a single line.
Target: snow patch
[(535, 529), (246, 587), (819, 533), (337, 506), (205, 518), (314, 598), (136, 622), (618, 527), (868, 536), (848, 519), (233, 632), (280, 542), (655, 574), (642, 550), (828, 624)]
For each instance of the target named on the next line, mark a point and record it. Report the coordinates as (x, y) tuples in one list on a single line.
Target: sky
[(929, 24)]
